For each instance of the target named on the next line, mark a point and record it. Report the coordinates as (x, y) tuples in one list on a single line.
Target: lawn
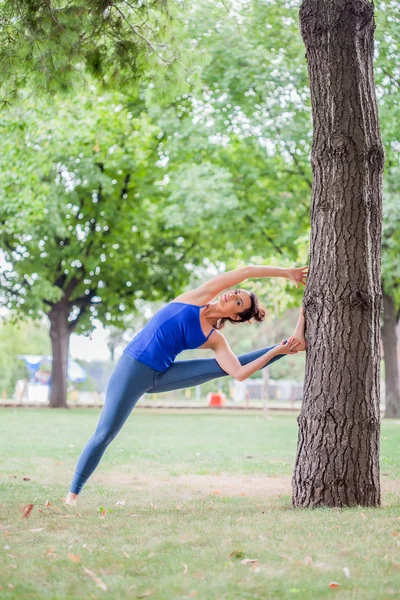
[(204, 512)]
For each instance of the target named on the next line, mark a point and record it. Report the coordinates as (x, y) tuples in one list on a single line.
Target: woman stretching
[(193, 320)]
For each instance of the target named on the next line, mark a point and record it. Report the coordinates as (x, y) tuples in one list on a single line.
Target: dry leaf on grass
[(185, 569), (96, 579), (103, 512), (395, 564), (26, 478), (363, 516), (74, 558), (216, 492), (333, 585), (55, 508), (308, 560), (26, 511), (249, 561), (36, 530), (145, 594)]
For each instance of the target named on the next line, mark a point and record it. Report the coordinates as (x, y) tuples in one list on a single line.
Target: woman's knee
[(103, 437)]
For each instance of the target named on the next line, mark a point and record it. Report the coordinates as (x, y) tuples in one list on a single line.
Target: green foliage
[(97, 232), (49, 47)]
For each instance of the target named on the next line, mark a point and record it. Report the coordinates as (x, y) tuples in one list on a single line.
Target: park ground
[(184, 505)]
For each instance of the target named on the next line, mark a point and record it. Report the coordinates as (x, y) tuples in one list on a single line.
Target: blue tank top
[(174, 328)]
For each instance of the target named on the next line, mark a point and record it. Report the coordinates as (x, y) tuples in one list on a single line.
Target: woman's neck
[(212, 313)]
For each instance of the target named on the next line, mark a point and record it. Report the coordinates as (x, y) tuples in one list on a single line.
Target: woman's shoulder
[(187, 298)]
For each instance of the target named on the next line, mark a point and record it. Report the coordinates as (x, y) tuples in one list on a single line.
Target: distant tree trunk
[(338, 447), (389, 338), (59, 335)]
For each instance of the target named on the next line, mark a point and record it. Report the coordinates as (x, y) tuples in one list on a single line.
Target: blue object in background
[(75, 373)]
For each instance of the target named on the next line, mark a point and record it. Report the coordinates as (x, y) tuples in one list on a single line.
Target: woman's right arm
[(230, 363)]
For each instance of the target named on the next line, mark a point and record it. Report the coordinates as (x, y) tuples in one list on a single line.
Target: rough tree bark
[(389, 339), (338, 447)]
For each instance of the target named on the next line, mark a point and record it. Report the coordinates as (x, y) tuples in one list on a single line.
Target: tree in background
[(83, 226), (337, 460)]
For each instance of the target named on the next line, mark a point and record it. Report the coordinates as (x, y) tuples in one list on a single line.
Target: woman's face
[(233, 302)]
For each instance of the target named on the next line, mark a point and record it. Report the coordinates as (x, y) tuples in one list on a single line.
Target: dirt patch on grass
[(226, 484)]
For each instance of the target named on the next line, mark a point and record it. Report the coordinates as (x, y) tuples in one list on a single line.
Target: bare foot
[(298, 333), (71, 499)]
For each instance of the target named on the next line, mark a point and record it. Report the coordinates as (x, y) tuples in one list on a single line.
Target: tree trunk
[(338, 446), (389, 338), (59, 335)]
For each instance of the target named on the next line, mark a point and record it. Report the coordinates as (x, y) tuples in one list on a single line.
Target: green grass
[(174, 537)]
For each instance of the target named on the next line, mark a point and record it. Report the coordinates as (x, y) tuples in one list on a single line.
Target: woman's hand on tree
[(291, 346), (298, 275)]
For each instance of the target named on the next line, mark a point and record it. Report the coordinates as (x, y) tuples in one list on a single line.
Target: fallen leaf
[(178, 507), (395, 564), (126, 554), (185, 569), (237, 553), (216, 492), (74, 558), (102, 511), (10, 586), (26, 511), (346, 572), (395, 534), (41, 510), (333, 585), (145, 594), (96, 579), (36, 530), (243, 494), (26, 478), (78, 514), (48, 505), (308, 560), (249, 561), (363, 516)]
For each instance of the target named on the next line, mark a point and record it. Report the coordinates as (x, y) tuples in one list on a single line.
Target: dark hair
[(254, 312)]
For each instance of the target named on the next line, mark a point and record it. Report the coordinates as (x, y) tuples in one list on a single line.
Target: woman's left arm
[(211, 288)]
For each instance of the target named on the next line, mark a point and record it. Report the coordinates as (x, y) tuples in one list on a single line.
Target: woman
[(192, 320)]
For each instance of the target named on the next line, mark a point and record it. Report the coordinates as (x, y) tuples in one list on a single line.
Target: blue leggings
[(129, 381)]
